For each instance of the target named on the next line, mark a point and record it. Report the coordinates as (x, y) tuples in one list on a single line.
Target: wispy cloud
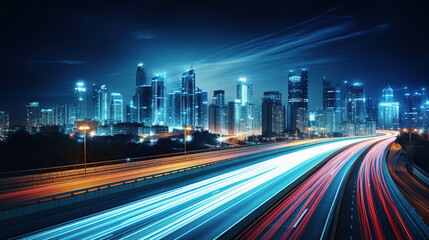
[(301, 45)]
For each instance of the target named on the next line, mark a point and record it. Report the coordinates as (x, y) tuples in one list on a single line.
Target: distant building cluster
[(346, 109)]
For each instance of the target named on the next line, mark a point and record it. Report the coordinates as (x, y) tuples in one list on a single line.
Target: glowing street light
[(84, 129), (185, 129)]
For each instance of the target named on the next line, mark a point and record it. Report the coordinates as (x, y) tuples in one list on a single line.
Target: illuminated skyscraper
[(272, 113), (355, 103), (201, 108), (33, 114), (141, 76), (101, 104), (159, 108), (244, 115), (61, 114), (174, 109), (331, 96), (131, 113), (47, 117), (297, 112), (388, 110), (188, 98), (80, 100), (218, 113), (143, 98), (218, 98), (116, 108), (412, 110)]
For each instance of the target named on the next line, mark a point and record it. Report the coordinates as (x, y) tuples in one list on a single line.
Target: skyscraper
[(411, 110), (100, 100), (61, 114), (297, 112), (188, 98), (218, 113), (47, 117), (143, 98), (331, 96), (174, 109), (388, 110), (244, 115), (116, 108), (159, 108), (131, 113), (80, 100), (272, 113), (234, 108), (201, 108), (355, 103), (33, 114)]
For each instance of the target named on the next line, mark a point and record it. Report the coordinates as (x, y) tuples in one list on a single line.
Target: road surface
[(200, 210)]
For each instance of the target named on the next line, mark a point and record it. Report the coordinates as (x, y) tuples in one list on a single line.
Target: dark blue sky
[(48, 45)]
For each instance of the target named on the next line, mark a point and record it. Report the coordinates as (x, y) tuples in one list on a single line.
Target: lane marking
[(300, 217)]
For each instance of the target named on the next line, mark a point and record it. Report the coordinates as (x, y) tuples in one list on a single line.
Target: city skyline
[(46, 77)]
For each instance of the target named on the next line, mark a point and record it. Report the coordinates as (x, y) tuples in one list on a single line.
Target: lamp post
[(186, 128), (84, 129)]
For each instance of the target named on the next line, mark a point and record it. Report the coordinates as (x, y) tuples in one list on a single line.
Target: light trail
[(198, 209)]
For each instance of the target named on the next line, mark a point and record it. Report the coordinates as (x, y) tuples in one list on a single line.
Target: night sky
[(46, 46)]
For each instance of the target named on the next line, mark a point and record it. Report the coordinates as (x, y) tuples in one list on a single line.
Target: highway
[(307, 213), (200, 210), (373, 207), (416, 193), (167, 164)]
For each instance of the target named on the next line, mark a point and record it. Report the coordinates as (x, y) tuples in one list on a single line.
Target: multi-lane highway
[(201, 210), (307, 213), (373, 207), (167, 164), (416, 193)]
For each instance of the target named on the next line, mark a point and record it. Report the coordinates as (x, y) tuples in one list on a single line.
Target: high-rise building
[(159, 108), (297, 111), (388, 110), (47, 117), (218, 113), (218, 98), (141, 76), (174, 109), (272, 113), (131, 113), (80, 100), (188, 98), (201, 108), (61, 113), (355, 103), (244, 115), (412, 110), (331, 96), (233, 109), (4, 120), (33, 114), (100, 98), (116, 108), (426, 115)]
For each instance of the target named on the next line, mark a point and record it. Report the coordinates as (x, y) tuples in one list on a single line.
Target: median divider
[(32, 206)]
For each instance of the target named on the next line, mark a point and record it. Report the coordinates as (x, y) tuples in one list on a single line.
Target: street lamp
[(185, 129), (84, 129)]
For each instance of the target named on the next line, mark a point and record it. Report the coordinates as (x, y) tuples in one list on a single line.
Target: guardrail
[(74, 171), (52, 201)]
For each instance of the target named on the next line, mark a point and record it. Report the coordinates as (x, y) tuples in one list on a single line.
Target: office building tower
[(4, 120), (355, 103), (297, 111), (116, 108), (141, 76), (218, 98), (33, 114), (201, 108), (244, 115), (331, 96), (159, 108), (233, 114), (80, 100), (388, 110), (101, 103), (412, 110), (61, 114), (188, 98), (272, 113), (426, 115), (47, 117), (131, 113), (218, 113), (174, 109)]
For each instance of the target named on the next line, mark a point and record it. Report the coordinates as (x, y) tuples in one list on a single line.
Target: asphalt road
[(200, 210)]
